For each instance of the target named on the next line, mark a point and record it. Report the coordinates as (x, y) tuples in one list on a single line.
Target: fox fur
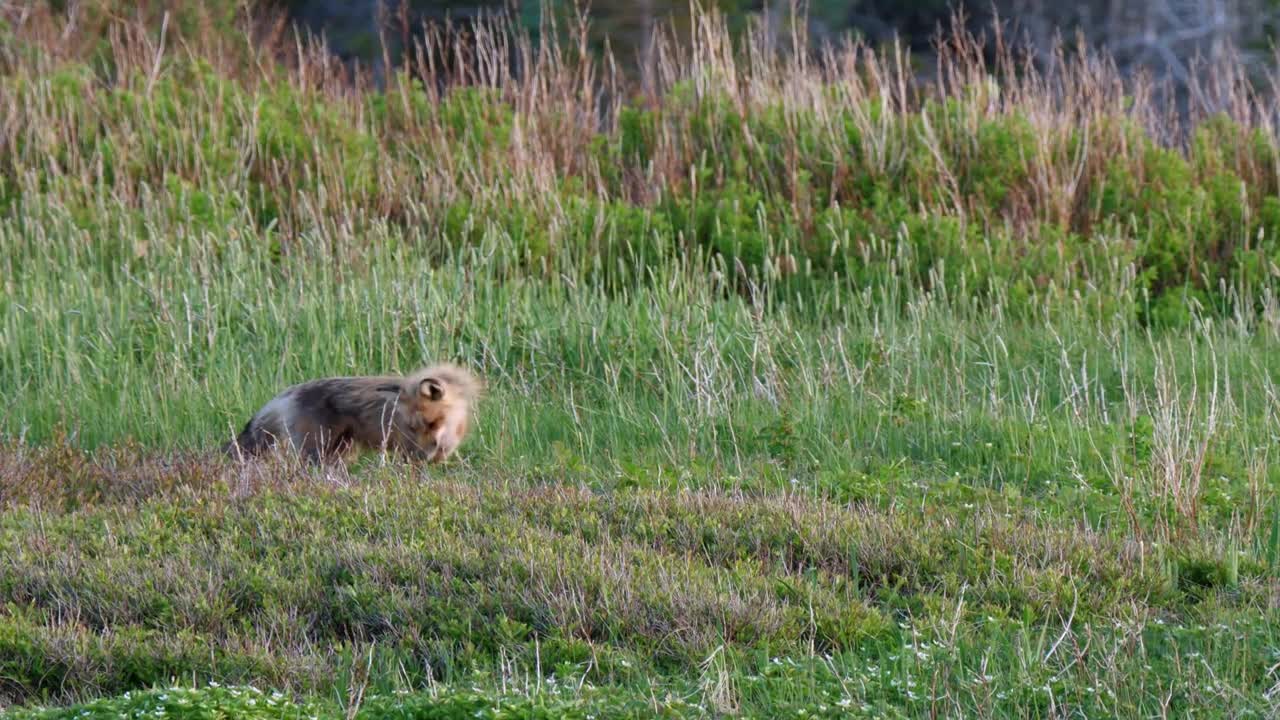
[(424, 415)]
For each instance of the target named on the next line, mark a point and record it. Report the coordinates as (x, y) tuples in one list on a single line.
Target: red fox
[(425, 415)]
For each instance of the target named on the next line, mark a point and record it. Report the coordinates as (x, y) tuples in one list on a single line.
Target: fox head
[(438, 403)]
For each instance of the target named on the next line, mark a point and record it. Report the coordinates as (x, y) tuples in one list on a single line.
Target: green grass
[(808, 394), (399, 582)]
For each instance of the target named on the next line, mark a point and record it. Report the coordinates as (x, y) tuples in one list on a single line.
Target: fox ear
[(431, 389)]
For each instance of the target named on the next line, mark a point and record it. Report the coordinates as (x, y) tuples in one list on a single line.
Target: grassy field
[(814, 389)]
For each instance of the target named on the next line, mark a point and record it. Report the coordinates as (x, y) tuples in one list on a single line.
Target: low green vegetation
[(398, 581), (812, 391)]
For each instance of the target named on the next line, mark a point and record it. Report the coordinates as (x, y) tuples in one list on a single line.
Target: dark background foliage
[(1163, 37)]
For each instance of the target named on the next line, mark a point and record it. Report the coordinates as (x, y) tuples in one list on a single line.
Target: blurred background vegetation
[(1165, 38)]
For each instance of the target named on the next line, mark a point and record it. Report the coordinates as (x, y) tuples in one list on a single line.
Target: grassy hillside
[(813, 388)]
